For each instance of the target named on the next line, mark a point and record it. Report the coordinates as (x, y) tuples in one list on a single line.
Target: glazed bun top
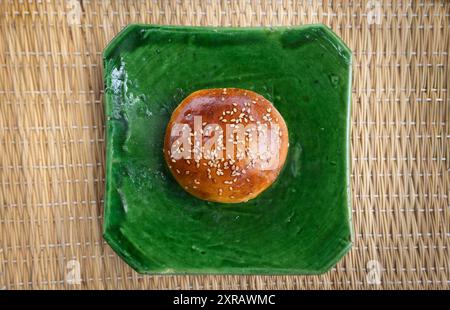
[(226, 145)]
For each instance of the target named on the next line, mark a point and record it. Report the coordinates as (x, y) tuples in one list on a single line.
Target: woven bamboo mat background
[(52, 140)]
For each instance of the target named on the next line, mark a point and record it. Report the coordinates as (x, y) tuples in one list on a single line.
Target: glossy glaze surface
[(301, 224)]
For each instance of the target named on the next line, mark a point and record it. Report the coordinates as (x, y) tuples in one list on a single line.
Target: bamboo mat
[(52, 140)]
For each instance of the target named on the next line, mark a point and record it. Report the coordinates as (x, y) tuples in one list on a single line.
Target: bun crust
[(237, 175)]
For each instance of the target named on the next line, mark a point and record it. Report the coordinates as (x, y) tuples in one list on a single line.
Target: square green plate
[(301, 224)]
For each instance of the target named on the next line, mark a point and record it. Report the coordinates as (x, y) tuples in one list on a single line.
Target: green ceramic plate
[(301, 224)]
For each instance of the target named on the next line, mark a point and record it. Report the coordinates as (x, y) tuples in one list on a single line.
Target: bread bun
[(225, 145)]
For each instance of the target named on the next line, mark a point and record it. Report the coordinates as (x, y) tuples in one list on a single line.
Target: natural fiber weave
[(52, 140)]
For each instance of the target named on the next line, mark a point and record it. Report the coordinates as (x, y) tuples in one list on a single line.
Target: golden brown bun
[(226, 179)]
